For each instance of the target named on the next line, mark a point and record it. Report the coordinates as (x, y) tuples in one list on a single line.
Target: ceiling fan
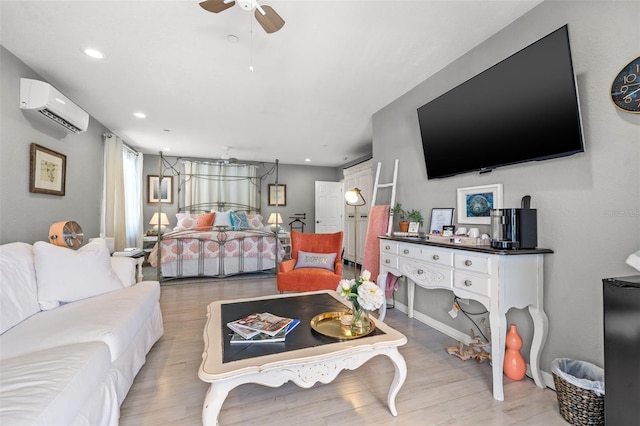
[(265, 15)]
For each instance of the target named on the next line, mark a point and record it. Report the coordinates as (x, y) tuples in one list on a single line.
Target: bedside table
[(148, 242), (285, 241)]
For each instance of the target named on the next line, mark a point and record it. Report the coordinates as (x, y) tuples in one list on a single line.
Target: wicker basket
[(578, 406)]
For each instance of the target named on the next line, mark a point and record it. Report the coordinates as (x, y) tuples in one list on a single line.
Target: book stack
[(129, 252), (261, 328)]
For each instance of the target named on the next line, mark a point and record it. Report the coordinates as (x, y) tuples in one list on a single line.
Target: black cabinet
[(622, 350)]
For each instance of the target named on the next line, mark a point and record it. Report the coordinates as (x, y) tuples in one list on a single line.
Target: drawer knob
[(468, 283), (387, 247), (436, 257), (387, 261), (406, 251), (468, 262)]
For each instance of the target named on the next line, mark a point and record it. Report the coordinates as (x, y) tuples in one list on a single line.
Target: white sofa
[(75, 330)]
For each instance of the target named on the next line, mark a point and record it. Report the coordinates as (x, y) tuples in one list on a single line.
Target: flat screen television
[(525, 108)]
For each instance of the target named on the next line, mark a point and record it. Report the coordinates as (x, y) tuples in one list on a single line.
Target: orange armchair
[(305, 278)]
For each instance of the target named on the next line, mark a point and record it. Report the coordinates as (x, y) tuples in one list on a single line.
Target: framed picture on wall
[(474, 203), (48, 169), (277, 195), (157, 193)]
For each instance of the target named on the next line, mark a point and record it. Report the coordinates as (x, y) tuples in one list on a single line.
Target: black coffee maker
[(515, 229)]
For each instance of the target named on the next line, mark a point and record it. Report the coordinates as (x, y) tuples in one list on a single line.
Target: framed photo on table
[(277, 195), (158, 194), (474, 203), (47, 171), (440, 218)]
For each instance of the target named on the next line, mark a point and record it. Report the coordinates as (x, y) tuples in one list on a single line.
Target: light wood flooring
[(440, 389)]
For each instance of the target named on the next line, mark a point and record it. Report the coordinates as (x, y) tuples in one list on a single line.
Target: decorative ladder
[(391, 185)]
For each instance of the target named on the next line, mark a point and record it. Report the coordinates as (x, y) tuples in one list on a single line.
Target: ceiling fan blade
[(216, 6), (270, 21)]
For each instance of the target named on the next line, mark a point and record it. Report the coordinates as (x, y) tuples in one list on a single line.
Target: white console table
[(499, 279)]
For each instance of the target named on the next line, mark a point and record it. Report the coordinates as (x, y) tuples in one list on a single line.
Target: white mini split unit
[(44, 99)]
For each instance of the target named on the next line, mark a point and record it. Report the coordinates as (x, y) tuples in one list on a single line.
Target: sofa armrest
[(287, 265), (125, 269)]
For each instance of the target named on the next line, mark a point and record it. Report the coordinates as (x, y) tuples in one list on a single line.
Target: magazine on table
[(265, 338), (264, 323)]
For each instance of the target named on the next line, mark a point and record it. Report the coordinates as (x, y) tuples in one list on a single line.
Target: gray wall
[(588, 204), (299, 181), (25, 216)]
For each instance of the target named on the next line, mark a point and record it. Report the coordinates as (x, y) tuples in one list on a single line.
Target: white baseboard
[(461, 337)]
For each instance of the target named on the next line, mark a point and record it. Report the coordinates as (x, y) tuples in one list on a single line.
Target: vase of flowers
[(364, 296)]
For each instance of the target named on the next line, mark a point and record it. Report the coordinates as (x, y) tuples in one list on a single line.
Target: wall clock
[(625, 90)]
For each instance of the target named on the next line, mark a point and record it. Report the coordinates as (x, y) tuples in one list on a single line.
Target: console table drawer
[(429, 254), (426, 275), (473, 283), (466, 262), (388, 247), (389, 260)]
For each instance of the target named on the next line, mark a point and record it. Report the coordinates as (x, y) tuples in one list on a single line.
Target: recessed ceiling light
[(140, 114), (167, 149), (308, 160), (94, 53)]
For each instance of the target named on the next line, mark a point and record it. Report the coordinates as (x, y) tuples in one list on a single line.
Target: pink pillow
[(186, 221)]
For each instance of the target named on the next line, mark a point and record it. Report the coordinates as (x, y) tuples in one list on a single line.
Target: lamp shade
[(274, 218), (164, 220), (354, 197)]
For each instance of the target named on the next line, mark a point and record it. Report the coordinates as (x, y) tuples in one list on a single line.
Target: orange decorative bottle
[(515, 366)]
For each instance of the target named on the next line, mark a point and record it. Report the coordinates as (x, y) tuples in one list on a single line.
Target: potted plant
[(398, 211), (415, 216)]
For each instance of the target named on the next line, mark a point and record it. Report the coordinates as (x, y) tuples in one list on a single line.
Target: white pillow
[(66, 275), (222, 219), (18, 291)]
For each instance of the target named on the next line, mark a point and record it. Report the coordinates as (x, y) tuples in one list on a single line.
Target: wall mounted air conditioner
[(44, 99)]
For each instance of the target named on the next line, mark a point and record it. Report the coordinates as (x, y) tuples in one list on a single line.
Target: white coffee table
[(305, 367)]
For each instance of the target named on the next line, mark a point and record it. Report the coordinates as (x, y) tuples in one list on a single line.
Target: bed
[(220, 230), (219, 251)]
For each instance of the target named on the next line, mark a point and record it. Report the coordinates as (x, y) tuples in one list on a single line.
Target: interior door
[(328, 208)]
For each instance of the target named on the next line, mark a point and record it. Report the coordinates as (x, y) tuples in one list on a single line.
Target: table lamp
[(275, 220), (164, 220)]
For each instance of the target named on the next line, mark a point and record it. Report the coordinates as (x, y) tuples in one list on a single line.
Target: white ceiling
[(315, 84)]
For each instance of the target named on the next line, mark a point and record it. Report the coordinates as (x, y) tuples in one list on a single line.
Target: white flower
[(370, 296), (366, 275), (344, 288)]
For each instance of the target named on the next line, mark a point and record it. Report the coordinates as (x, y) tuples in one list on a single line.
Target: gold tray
[(328, 324)]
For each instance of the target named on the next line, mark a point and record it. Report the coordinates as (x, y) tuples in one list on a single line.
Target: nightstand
[(285, 241), (148, 243)]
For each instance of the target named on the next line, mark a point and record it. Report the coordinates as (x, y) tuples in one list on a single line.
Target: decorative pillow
[(223, 219), (315, 260), (18, 290), (66, 275), (255, 221), (186, 221), (205, 221), (239, 221)]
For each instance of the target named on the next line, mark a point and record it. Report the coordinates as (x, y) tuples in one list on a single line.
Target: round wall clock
[(625, 90)]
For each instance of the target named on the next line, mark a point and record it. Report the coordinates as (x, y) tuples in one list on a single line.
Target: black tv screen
[(524, 108)]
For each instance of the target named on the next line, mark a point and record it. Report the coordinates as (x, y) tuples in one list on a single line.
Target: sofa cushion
[(50, 387), (113, 318), (65, 275), (18, 290)]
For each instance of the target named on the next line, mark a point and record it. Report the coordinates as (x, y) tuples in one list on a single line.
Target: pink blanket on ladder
[(378, 223)]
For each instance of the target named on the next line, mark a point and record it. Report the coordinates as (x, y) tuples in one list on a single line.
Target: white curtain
[(229, 183), (132, 172), (122, 190)]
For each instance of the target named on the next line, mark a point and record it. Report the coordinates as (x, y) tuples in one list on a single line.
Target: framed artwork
[(277, 195), (440, 218), (47, 170), (157, 193), (474, 203)]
